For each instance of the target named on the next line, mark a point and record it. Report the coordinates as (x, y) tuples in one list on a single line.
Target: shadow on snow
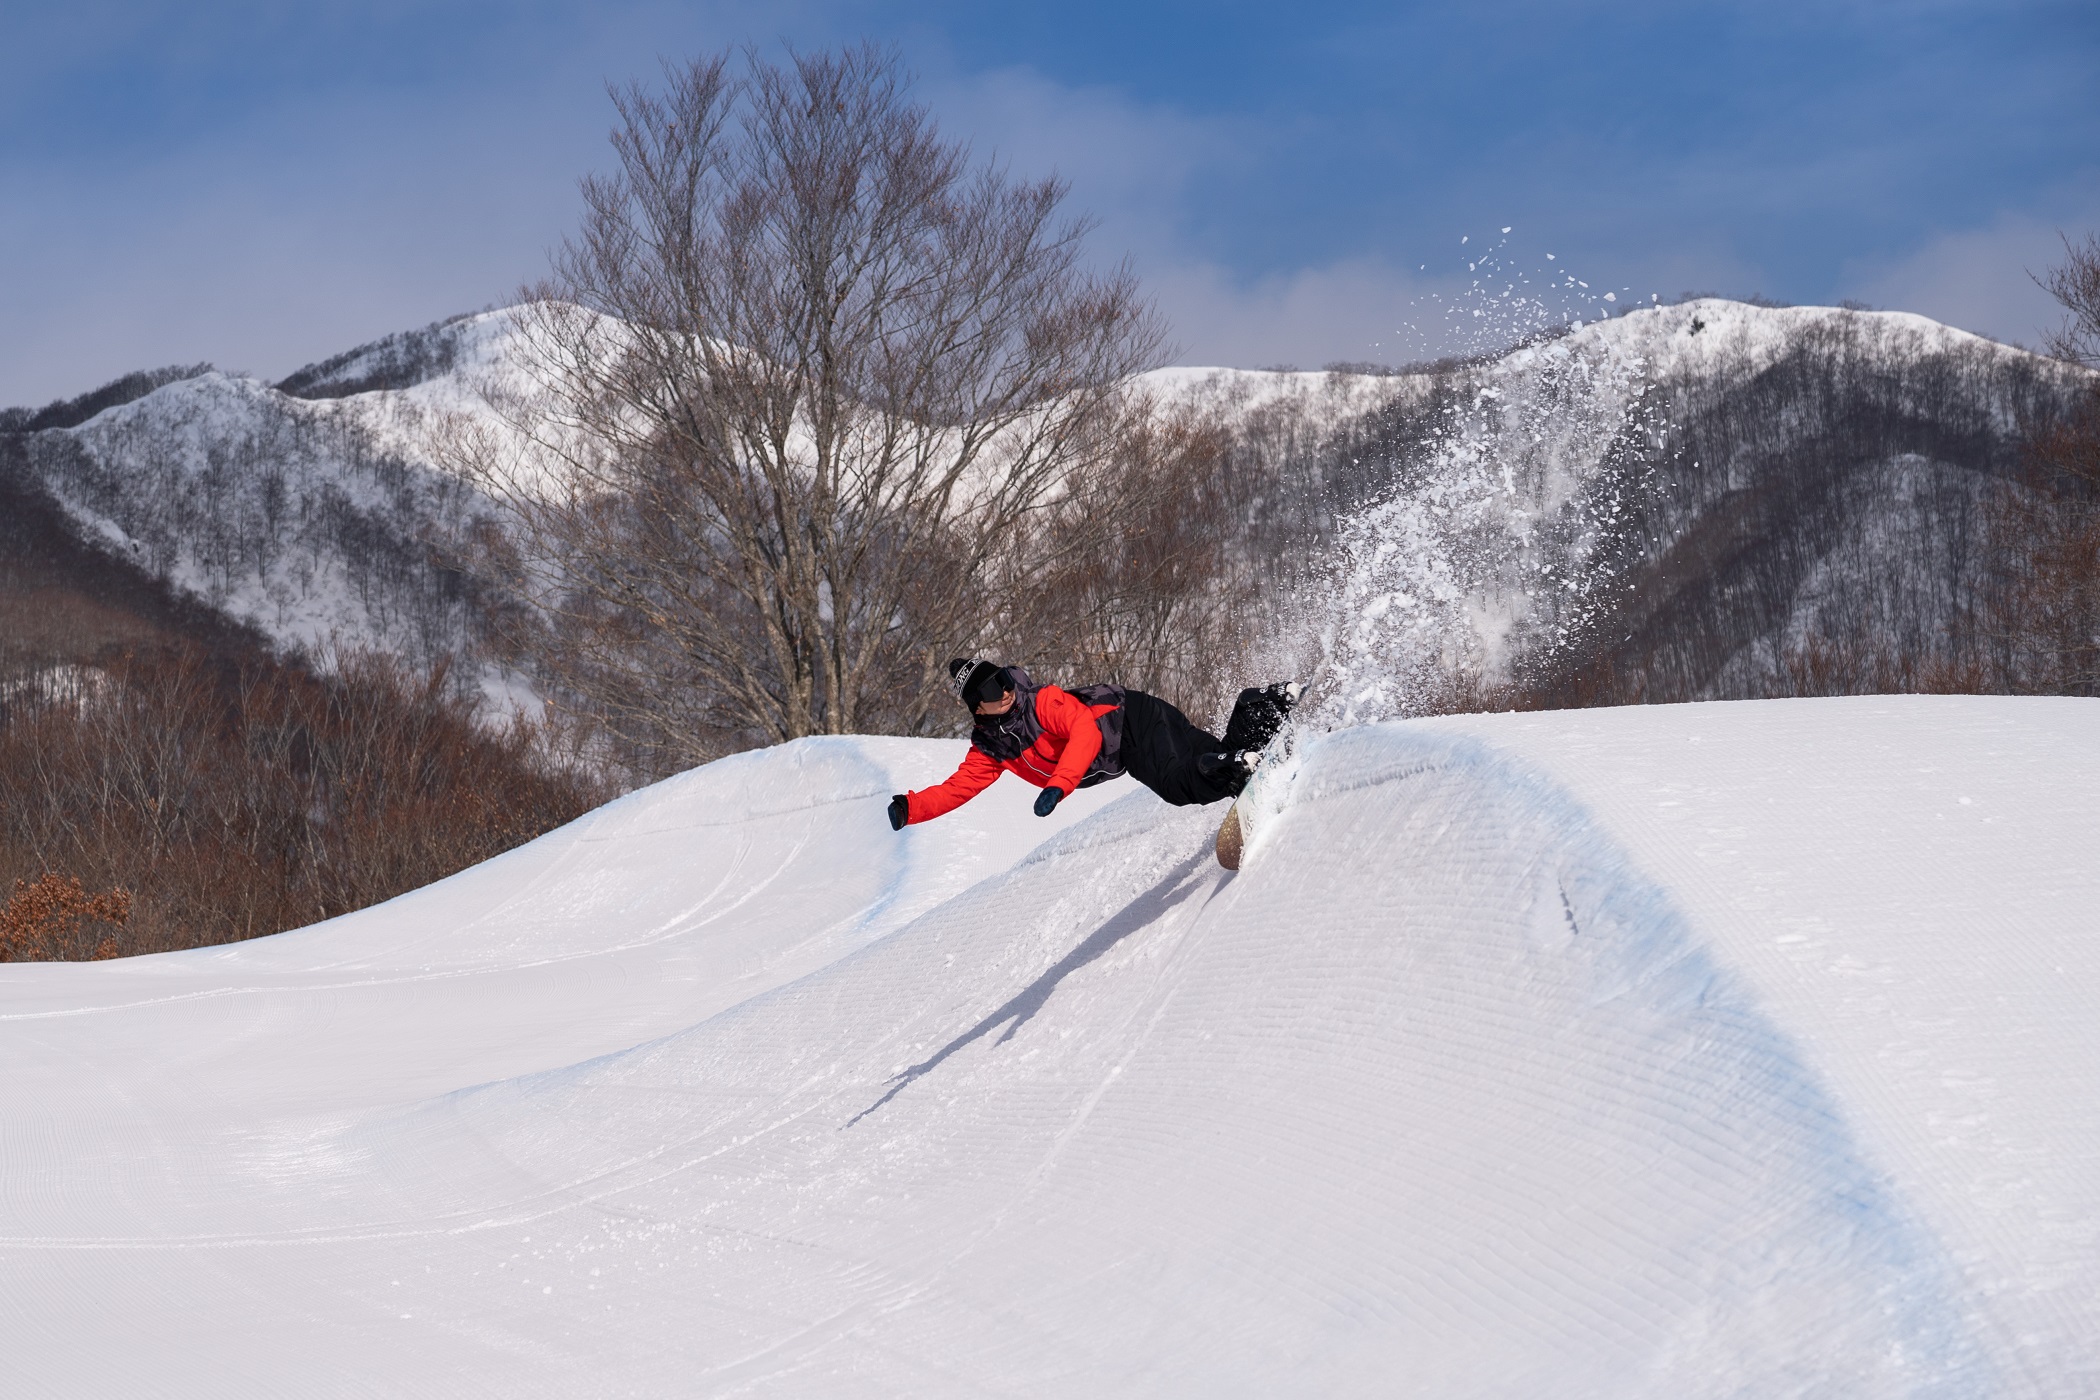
[(1146, 909)]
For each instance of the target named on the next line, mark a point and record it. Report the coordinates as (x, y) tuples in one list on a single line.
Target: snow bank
[(1727, 1049)]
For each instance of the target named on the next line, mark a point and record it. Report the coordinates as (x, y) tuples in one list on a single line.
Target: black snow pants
[(1160, 745)]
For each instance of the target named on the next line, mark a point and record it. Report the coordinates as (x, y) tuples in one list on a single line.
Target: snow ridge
[(1510, 498)]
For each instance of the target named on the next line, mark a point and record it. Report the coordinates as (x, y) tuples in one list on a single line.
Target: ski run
[(1711, 1050)]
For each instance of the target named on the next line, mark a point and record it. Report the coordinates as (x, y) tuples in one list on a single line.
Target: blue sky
[(260, 185)]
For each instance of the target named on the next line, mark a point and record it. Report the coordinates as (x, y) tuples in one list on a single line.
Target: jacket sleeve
[(1066, 714), (977, 772)]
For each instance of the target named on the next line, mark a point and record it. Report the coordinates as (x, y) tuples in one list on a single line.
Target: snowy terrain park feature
[(1741, 1049)]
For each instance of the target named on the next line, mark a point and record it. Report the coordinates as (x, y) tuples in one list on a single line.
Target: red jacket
[(1070, 741)]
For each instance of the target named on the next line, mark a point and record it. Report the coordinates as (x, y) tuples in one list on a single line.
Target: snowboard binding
[(1257, 719)]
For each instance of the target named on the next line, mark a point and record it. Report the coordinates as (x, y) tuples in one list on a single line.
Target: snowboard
[(1246, 809), (1232, 837)]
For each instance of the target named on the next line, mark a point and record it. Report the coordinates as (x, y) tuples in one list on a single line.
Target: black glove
[(900, 811), (1047, 802)]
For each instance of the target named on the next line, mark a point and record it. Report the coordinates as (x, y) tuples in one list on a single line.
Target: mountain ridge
[(320, 508)]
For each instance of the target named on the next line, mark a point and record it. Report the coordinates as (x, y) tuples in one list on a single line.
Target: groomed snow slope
[(1712, 1050)]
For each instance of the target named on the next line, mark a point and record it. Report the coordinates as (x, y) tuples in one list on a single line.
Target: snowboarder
[(1062, 740)]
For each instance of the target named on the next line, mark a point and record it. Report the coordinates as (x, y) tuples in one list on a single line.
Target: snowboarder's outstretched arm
[(1067, 741), (977, 772)]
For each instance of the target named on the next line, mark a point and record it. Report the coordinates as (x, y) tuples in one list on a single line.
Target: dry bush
[(240, 798), (1852, 666), (2075, 283), (1815, 665), (54, 917), (2042, 622)]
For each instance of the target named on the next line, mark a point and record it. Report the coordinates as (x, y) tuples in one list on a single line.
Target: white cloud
[(280, 242), (1132, 166), (1127, 161), (1141, 169), (306, 222), (1351, 310), (260, 252), (1979, 279)]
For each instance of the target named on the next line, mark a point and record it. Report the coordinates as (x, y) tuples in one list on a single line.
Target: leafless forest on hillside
[(1837, 520), (212, 800)]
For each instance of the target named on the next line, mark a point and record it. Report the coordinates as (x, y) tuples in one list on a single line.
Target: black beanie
[(976, 681)]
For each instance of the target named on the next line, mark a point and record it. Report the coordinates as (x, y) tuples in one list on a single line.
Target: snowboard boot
[(1258, 714)]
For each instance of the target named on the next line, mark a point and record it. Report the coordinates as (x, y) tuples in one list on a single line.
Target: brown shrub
[(2044, 613), (48, 917)]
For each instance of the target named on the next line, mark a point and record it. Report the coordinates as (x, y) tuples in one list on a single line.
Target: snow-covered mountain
[(1740, 1049), (1681, 494), (310, 518), (323, 507), (1683, 498)]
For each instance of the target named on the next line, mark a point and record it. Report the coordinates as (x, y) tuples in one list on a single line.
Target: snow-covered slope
[(1683, 496), (299, 520), (1711, 1050), (289, 517), (1321, 399), (322, 508)]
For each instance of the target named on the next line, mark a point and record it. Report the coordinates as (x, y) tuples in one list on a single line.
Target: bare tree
[(811, 387), (2049, 534), (2075, 283), (1155, 587)]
